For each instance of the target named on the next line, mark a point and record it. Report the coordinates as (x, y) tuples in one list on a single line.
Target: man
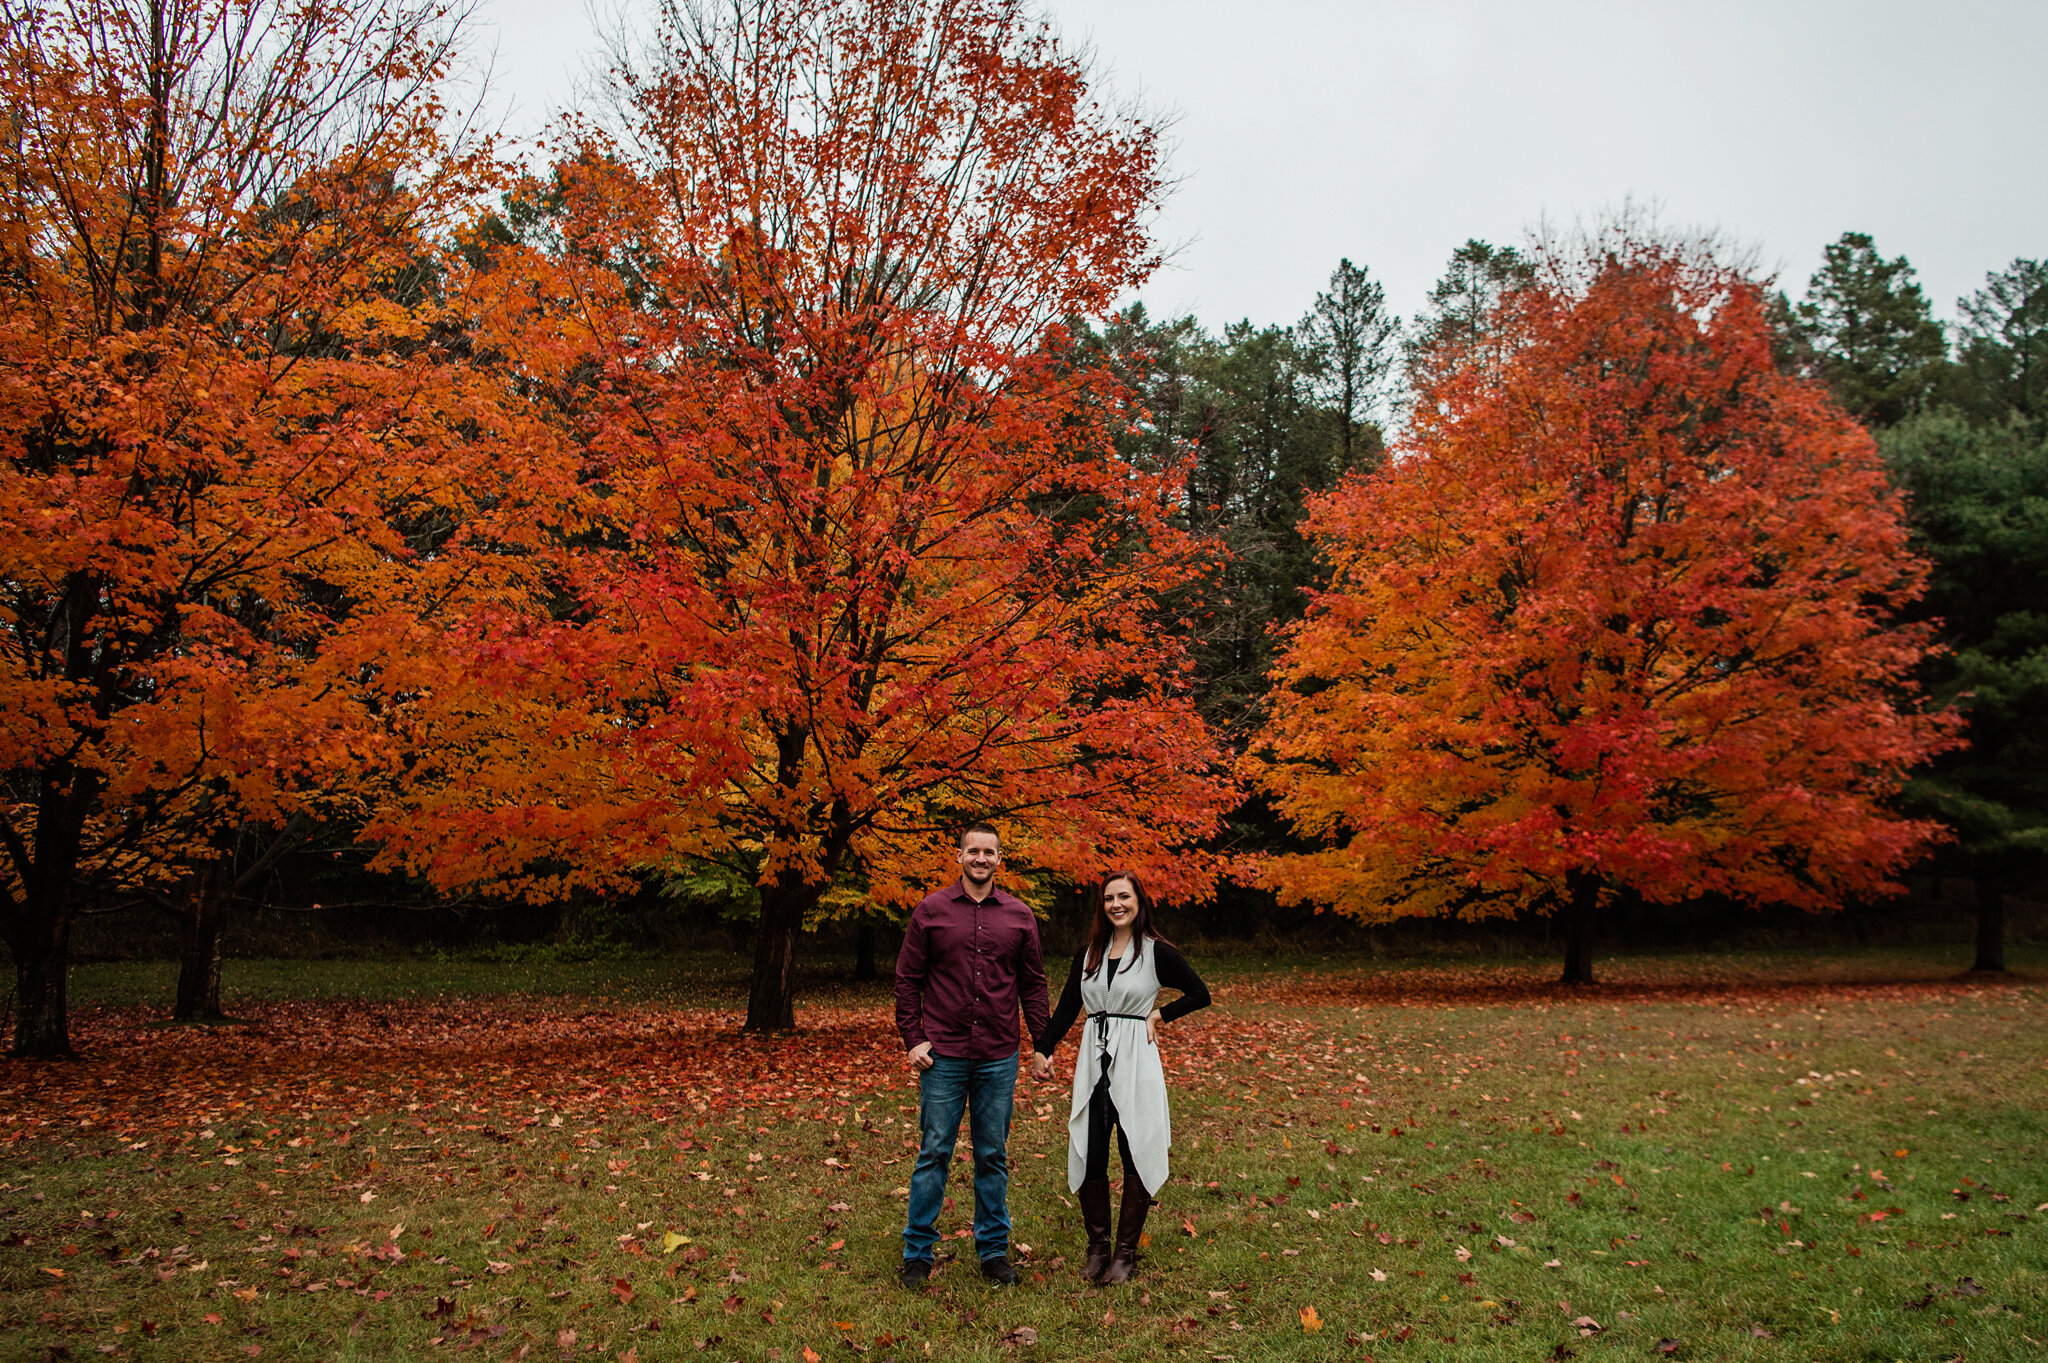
[(970, 955)]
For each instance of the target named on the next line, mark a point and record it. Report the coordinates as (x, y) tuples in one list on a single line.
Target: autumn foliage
[(1617, 615), (858, 560), (247, 448)]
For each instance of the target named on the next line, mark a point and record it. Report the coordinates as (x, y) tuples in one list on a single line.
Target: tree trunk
[(1990, 922), (1578, 929), (864, 951), (206, 921), (771, 1003), (42, 962)]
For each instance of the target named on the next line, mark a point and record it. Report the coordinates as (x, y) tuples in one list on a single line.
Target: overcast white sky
[(1304, 130)]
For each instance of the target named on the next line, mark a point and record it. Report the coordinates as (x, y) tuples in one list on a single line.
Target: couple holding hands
[(970, 959)]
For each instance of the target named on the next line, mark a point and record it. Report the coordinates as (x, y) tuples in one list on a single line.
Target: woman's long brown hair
[(1099, 931)]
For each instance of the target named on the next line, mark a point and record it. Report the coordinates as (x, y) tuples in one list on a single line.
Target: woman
[(1118, 1082)]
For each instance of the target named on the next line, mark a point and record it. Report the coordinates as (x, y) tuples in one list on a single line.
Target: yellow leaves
[(1310, 1321), (671, 1242)]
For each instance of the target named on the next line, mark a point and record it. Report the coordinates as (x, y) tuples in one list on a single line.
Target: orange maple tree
[(1616, 615), (247, 449), (862, 562)]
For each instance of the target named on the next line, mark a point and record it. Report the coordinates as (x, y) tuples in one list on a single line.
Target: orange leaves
[(253, 452), (861, 560), (1618, 609)]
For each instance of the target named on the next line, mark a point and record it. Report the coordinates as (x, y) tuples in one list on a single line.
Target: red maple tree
[(1617, 614), (861, 561), (247, 448)]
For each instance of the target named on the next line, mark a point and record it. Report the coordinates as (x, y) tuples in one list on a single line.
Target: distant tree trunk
[(42, 962), (38, 917), (206, 921), (1990, 922), (1578, 929), (864, 951), (784, 906)]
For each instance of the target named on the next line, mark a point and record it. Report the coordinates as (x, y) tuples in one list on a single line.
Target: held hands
[(921, 1057), (1152, 1022), (1041, 1067)]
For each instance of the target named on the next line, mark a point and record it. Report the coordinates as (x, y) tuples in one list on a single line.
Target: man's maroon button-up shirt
[(964, 968)]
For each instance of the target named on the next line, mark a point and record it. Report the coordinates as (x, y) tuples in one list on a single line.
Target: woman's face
[(1120, 902)]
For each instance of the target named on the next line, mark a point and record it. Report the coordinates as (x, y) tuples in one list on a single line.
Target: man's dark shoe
[(998, 1270), (915, 1273)]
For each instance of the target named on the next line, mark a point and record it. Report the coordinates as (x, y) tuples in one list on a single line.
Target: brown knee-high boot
[(1129, 1227), (1094, 1198)]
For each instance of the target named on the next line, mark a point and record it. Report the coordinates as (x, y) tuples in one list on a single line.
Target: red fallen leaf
[(1187, 1225), (211, 1317), (1665, 1346), (734, 1303), (1401, 1335), (810, 1354), (623, 1290), (631, 1355), (565, 1339)]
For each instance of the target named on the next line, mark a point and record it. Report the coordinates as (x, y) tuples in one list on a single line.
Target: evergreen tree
[(1872, 338), (1245, 410), (1457, 323), (2004, 344), (1348, 340), (1979, 501)]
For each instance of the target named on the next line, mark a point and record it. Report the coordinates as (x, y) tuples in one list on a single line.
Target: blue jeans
[(987, 1089)]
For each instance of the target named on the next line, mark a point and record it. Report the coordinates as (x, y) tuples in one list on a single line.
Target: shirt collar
[(995, 892)]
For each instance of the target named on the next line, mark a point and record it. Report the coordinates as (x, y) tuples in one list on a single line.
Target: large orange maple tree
[(246, 447), (862, 561), (1617, 614)]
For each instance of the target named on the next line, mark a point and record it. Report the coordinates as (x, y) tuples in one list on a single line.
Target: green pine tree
[(1873, 340), (1979, 505)]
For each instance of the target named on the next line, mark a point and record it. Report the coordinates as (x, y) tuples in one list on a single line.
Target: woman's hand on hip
[(1152, 1021)]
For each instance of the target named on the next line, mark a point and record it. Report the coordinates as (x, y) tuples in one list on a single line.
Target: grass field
[(1783, 1156)]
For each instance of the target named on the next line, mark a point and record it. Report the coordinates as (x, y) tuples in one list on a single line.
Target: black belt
[(1101, 1021)]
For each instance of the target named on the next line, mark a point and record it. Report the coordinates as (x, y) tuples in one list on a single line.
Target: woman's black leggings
[(1102, 1117)]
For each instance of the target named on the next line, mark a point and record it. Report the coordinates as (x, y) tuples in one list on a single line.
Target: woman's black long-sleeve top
[(1174, 973)]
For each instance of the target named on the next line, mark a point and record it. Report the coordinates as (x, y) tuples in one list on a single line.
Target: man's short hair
[(960, 841)]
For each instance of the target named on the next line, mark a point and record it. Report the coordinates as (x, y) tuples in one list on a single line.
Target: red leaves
[(1607, 616), (623, 1290), (228, 509)]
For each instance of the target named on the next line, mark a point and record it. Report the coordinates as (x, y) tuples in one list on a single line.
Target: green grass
[(1647, 1148)]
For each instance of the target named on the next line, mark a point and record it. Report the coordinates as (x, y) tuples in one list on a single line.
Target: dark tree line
[(1962, 415)]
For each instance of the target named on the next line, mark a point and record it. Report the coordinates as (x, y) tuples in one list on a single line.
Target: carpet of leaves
[(1457, 1161)]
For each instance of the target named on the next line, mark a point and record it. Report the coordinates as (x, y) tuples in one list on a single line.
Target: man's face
[(979, 858)]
